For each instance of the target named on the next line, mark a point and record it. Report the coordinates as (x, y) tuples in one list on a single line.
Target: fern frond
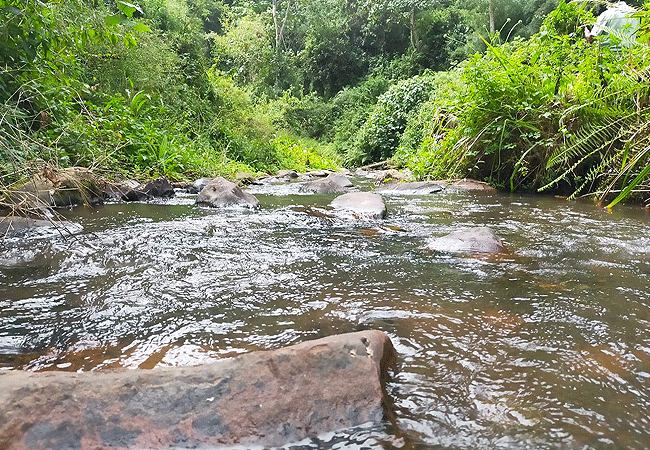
[(594, 173), (570, 169), (643, 75), (598, 107), (590, 137)]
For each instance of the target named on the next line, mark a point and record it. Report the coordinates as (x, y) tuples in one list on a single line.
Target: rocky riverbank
[(38, 199)]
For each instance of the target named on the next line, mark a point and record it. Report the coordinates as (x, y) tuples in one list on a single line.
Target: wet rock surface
[(132, 191), (12, 225), (314, 174), (287, 174), (469, 240), (221, 192), (76, 186), (262, 398), (361, 205), (61, 188), (198, 185), (469, 185), (245, 178), (334, 183), (391, 175), (413, 188)]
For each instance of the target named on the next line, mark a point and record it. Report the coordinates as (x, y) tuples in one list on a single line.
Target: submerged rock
[(221, 192), (413, 187), (262, 398), (362, 205), (469, 240), (469, 185), (334, 183), (12, 225)]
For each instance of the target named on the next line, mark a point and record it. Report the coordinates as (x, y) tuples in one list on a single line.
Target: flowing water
[(547, 346)]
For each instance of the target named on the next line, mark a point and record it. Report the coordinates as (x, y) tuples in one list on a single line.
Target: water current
[(545, 347)]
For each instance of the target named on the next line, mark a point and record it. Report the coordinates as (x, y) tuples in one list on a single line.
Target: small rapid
[(544, 346)]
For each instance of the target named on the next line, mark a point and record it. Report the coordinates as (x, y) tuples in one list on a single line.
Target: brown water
[(546, 347)]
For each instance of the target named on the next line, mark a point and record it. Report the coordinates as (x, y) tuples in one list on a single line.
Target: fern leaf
[(588, 138)]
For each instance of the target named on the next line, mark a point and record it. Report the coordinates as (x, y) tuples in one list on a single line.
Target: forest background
[(505, 91)]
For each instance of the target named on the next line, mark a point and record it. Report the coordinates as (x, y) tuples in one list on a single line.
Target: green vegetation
[(552, 112), (509, 92), (130, 91)]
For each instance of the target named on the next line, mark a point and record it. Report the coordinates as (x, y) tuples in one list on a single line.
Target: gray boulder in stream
[(334, 183), (469, 185), (469, 240), (221, 192), (261, 399), (361, 205), (137, 192), (198, 185)]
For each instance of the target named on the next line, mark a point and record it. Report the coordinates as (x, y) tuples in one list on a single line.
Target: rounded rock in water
[(469, 240), (221, 192)]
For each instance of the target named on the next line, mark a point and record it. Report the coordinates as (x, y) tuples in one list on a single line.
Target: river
[(546, 346)]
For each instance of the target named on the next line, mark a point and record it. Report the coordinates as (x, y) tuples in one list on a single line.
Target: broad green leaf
[(128, 8), (113, 21), (141, 28)]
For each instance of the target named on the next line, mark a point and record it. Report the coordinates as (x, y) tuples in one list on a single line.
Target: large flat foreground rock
[(263, 398)]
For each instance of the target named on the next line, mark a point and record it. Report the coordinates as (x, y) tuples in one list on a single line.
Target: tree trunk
[(279, 26), (415, 41), (492, 27)]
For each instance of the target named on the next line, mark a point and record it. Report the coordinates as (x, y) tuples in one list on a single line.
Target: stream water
[(547, 346)]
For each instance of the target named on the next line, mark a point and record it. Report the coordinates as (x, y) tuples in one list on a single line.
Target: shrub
[(302, 155), (379, 136)]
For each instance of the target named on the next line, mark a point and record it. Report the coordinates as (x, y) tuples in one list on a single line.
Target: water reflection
[(547, 346)]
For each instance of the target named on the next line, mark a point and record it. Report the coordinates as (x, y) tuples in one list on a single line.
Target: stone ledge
[(265, 398)]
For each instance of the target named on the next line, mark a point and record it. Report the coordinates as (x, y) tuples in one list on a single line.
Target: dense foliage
[(129, 89), (551, 112), (509, 92)]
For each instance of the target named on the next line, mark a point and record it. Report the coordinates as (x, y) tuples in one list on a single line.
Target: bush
[(548, 112), (302, 155), (567, 19), (379, 136)]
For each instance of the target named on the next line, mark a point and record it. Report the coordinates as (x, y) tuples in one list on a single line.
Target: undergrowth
[(127, 90)]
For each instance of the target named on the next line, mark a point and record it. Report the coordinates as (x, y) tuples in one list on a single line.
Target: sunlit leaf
[(128, 8), (113, 21), (141, 28)]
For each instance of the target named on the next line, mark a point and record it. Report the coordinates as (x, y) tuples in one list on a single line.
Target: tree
[(279, 24), (410, 9), (491, 14)]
